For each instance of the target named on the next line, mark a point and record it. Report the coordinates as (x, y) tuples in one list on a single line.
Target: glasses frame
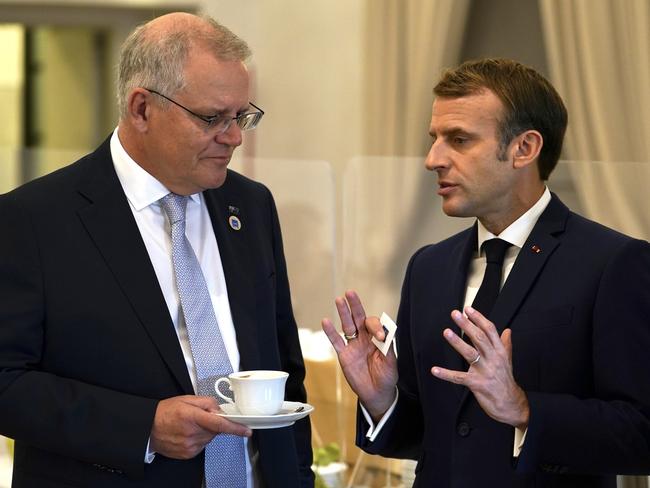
[(213, 120)]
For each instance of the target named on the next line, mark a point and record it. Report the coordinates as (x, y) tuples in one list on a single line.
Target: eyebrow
[(453, 131), (225, 112)]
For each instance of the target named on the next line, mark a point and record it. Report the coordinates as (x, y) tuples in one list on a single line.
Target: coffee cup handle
[(221, 395)]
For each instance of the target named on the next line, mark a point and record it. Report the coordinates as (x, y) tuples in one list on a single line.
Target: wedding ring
[(478, 357), (353, 336)]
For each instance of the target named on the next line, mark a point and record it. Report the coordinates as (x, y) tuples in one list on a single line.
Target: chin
[(212, 178), (455, 210)]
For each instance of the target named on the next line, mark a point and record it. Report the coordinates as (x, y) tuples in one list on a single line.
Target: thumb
[(506, 340)]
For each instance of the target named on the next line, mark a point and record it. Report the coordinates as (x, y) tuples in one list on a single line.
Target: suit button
[(463, 429)]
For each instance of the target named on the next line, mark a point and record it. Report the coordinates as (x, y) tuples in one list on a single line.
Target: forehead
[(477, 112), (210, 80)]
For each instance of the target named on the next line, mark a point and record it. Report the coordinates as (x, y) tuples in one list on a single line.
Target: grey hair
[(153, 61)]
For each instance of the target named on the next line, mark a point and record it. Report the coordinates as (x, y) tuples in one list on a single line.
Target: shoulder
[(441, 250), (590, 235), (46, 191), (243, 192), (237, 182), (56, 186)]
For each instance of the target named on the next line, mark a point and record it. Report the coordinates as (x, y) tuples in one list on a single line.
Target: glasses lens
[(219, 123), (249, 121)]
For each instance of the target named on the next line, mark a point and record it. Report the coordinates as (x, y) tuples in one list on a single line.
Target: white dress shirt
[(143, 192), (516, 234)]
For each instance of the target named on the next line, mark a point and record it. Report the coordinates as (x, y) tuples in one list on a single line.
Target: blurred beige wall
[(307, 67)]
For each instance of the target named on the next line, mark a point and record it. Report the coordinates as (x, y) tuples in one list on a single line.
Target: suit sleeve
[(401, 435), (290, 352), (38, 407), (608, 433)]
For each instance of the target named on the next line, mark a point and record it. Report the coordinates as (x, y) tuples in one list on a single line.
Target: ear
[(526, 148), (138, 108)]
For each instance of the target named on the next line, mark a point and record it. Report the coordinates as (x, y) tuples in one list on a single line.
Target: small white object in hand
[(389, 330)]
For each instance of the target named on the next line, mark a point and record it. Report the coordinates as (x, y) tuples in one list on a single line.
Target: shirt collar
[(517, 232), (140, 187)]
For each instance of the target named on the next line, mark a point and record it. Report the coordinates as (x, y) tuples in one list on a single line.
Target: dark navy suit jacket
[(579, 312), (87, 346)]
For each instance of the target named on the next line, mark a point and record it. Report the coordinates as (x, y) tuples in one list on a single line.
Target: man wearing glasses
[(133, 278)]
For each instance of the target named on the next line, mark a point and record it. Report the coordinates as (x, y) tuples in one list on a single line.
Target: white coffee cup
[(259, 392)]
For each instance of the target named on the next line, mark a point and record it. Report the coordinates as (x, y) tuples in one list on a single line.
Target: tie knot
[(174, 206), (495, 250)]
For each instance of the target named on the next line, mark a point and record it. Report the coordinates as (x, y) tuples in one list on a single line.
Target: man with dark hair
[(543, 380), (133, 278)]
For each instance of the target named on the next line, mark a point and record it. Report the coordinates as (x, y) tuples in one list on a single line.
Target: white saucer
[(285, 417)]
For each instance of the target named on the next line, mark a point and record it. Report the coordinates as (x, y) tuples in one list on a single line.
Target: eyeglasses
[(221, 123)]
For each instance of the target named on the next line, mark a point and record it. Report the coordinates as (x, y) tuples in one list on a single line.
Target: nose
[(231, 137), (436, 158)]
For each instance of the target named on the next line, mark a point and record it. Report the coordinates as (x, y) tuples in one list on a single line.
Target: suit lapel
[(539, 246), (110, 224), (233, 245), (528, 265), (459, 268)]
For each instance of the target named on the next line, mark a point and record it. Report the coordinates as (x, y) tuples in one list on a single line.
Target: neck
[(518, 205)]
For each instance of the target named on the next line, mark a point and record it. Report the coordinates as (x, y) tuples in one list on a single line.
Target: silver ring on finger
[(351, 337), (476, 360)]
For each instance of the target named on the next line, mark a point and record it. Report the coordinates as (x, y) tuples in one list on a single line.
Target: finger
[(375, 327), (358, 313), (347, 323), (216, 424), (482, 323), (468, 352), (479, 338), (457, 377), (332, 334), (207, 403)]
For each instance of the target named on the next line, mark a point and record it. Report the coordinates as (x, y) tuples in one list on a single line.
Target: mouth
[(446, 187), (224, 158)]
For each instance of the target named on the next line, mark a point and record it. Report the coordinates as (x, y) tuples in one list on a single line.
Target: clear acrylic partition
[(305, 196), (390, 209)]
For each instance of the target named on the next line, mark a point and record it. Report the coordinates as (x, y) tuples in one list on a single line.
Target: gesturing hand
[(490, 375), (183, 425), (370, 374)]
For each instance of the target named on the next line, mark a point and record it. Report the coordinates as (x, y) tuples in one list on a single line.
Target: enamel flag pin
[(233, 220)]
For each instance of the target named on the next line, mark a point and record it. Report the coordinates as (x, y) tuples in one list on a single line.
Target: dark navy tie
[(495, 251)]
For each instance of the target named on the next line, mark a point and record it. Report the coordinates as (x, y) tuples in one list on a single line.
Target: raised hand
[(370, 374), (489, 376)]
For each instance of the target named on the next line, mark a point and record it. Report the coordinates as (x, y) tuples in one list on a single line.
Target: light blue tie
[(225, 465)]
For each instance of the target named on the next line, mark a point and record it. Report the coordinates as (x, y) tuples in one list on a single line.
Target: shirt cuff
[(373, 431), (520, 437), (150, 455)]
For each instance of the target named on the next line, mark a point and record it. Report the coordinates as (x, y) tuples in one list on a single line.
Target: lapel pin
[(233, 210), (235, 223), (536, 249)]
